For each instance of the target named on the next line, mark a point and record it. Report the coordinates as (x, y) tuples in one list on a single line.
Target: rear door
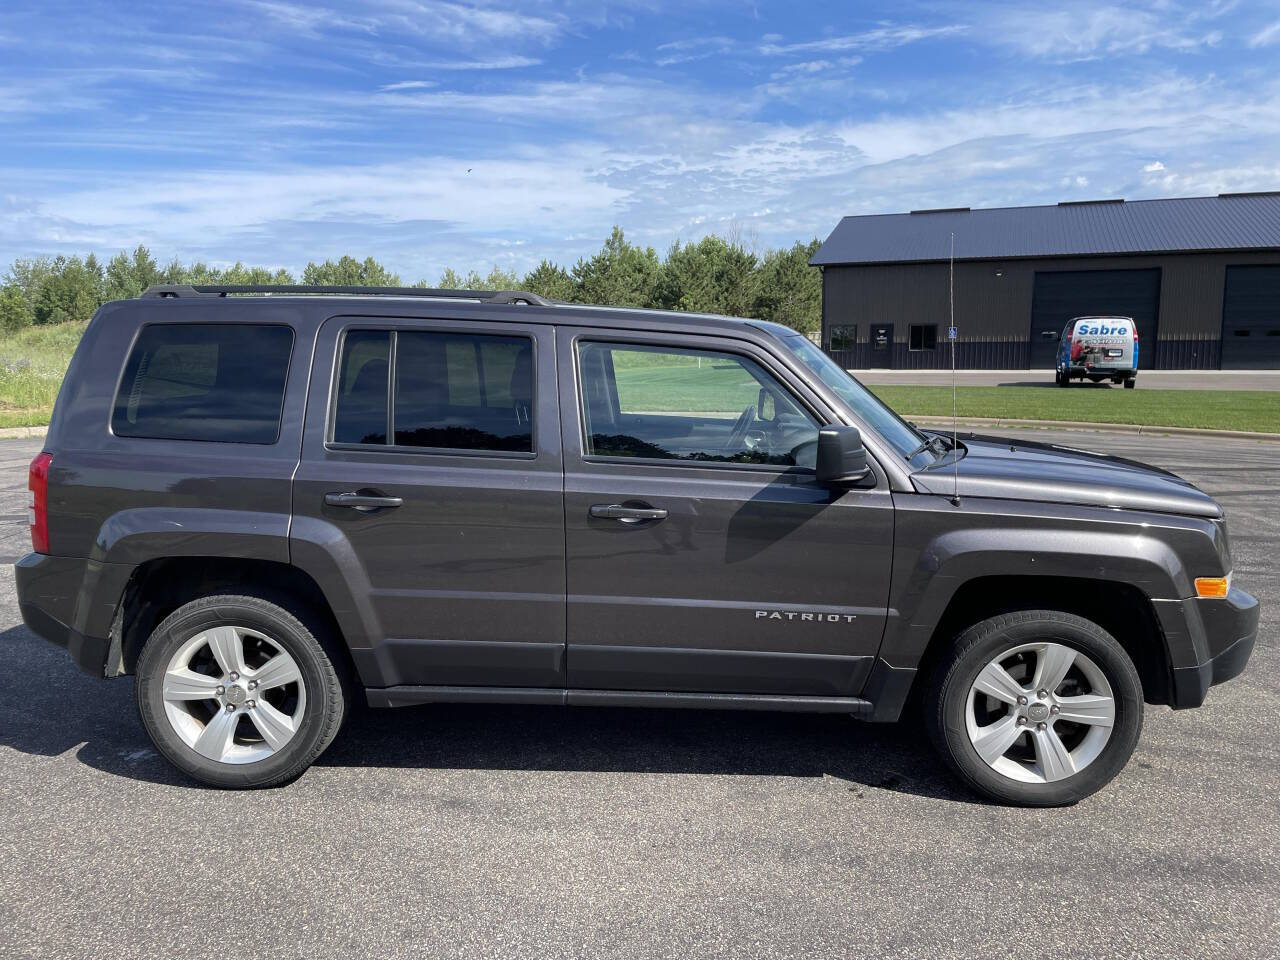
[(1103, 343), (431, 486), (702, 556)]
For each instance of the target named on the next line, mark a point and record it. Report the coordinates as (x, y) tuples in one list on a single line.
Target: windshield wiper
[(930, 444)]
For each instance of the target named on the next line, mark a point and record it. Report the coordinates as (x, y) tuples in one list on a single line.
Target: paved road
[(1150, 379), (536, 832)]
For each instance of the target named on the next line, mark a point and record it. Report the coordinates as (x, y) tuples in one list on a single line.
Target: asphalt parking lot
[(487, 831)]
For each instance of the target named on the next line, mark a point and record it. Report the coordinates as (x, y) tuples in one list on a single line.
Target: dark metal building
[(1199, 275)]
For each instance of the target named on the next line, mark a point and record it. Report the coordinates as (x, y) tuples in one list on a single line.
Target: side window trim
[(393, 330), (731, 349)]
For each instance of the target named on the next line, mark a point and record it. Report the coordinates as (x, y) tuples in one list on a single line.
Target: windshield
[(904, 438)]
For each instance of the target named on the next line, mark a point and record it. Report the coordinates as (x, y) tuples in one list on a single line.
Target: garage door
[(1251, 319), (1082, 293)]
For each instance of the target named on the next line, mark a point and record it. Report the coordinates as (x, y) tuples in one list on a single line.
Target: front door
[(881, 345), (430, 485), (701, 554)]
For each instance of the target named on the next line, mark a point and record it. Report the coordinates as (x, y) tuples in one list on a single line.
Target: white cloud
[(428, 18), (407, 85), (810, 67), (692, 49), (784, 139), (1267, 36), (1085, 31), (496, 63), (205, 209), (694, 43), (879, 39)]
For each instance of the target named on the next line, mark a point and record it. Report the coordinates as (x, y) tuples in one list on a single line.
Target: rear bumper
[(1210, 642), (48, 592), (1104, 372)]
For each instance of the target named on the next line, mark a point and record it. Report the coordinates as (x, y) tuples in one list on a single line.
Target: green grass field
[(32, 365), (1255, 410), (33, 362), (678, 387)]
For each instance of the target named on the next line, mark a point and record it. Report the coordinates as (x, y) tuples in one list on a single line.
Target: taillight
[(38, 501)]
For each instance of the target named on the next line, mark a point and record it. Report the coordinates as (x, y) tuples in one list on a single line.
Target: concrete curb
[(1146, 431), (22, 433)]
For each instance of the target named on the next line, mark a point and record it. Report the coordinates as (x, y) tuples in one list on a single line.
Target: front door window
[(660, 403)]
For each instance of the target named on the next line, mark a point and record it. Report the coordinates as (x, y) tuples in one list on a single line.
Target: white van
[(1098, 348)]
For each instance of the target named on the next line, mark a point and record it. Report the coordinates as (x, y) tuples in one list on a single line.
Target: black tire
[(321, 714), (1130, 383), (946, 703)]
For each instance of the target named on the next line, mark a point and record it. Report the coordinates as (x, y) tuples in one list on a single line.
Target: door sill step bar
[(405, 696)]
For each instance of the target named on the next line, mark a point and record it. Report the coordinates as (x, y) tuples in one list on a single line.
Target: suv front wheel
[(236, 692), (1038, 708)]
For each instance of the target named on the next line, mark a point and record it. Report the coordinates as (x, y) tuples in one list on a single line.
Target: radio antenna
[(951, 335)]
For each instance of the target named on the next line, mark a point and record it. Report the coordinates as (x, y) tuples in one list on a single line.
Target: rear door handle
[(361, 501), (627, 513)]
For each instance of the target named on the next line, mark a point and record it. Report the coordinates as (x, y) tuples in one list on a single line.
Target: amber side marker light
[(1215, 587)]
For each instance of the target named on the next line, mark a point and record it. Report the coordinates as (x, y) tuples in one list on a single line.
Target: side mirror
[(766, 405), (842, 459)]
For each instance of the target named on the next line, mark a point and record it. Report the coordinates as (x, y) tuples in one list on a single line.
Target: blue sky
[(470, 134)]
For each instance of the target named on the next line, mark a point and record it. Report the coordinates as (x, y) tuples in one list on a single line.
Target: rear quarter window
[(205, 381)]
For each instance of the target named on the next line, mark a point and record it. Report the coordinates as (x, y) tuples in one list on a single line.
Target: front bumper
[(1209, 642), (48, 592)]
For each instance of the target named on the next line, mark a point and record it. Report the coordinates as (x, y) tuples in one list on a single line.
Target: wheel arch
[(1121, 609), (158, 587)]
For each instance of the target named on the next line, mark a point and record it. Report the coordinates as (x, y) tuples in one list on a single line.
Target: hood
[(1022, 470)]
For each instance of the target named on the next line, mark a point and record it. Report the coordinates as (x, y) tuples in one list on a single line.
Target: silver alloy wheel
[(1023, 741), (207, 709)]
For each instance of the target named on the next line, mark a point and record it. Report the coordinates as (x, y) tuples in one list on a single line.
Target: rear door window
[(205, 381), (447, 391)]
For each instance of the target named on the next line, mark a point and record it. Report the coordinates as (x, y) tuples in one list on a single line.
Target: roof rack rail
[(1089, 203), (1253, 193), (942, 210), (178, 290)]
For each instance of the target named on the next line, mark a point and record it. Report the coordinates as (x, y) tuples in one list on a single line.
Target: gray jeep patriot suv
[(267, 506)]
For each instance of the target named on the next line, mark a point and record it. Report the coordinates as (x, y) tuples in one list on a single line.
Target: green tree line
[(712, 275)]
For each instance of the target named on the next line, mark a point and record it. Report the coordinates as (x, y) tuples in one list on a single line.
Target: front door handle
[(626, 513), (363, 502)]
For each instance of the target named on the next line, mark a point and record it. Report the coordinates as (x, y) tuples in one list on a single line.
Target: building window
[(923, 337), (844, 337)]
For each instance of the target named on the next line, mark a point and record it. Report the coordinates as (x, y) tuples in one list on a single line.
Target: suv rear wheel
[(236, 692), (1038, 708)]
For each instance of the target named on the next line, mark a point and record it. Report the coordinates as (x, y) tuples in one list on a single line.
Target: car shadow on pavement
[(614, 740), (50, 708), (54, 709)]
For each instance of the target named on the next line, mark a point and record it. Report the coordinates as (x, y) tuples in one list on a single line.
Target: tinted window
[(452, 391), (206, 381), (362, 387), (844, 337), (923, 337), (862, 401), (668, 404)]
